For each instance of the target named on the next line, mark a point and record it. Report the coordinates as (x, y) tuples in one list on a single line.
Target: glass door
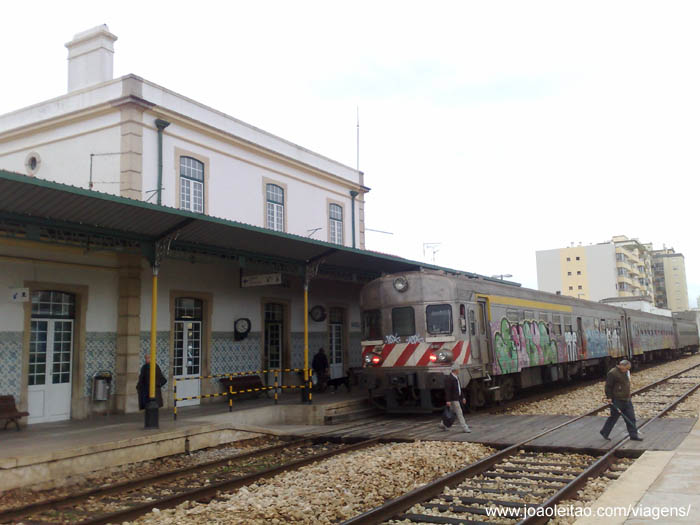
[(335, 343), (187, 351)]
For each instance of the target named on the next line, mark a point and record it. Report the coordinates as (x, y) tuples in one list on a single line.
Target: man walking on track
[(617, 394), (453, 397)]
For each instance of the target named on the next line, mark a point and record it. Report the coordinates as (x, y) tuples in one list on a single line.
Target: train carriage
[(506, 338)]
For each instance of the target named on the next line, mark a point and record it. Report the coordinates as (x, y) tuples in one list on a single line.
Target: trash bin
[(101, 385)]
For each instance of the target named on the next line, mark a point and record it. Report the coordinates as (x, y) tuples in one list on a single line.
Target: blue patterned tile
[(100, 354), (11, 364), (162, 350)]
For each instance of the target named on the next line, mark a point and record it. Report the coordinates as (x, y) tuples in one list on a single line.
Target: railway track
[(525, 484), (128, 500)]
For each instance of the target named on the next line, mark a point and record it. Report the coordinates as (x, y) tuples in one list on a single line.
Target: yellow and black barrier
[(230, 393)]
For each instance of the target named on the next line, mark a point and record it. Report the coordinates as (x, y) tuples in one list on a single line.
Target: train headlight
[(368, 359), (400, 284), (443, 356)]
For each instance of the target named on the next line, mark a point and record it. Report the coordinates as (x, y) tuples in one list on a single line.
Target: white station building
[(116, 176)]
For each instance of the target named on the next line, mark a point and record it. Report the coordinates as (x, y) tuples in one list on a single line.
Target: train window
[(372, 325), (403, 321), (438, 318), (472, 322), (463, 318), (529, 314), (513, 316), (543, 316), (602, 325)]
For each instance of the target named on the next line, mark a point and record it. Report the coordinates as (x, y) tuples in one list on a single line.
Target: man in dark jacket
[(320, 367), (454, 398), (142, 386), (617, 393)]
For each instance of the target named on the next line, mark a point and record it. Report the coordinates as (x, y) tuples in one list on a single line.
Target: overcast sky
[(493, 128)]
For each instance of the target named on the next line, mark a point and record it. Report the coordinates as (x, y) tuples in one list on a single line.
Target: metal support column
[(151, 413)]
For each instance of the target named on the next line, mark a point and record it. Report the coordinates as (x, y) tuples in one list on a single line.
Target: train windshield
[(403, 321), (372, 325), (438, 318)]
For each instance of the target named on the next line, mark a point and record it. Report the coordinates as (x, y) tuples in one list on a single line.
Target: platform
[(505, 430), (656, 481), (52, 451)]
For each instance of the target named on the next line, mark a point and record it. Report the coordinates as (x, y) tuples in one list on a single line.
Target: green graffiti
[(506, 354)]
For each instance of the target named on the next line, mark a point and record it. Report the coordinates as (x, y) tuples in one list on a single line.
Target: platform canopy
[(45, 211)]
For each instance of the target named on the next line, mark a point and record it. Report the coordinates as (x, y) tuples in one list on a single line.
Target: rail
[(394, 507), (276, 387)]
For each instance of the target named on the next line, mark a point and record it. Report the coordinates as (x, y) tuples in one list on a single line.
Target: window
[(578, 258), (275, 207), (580, 287), (403, 321), (571, 287), (335, 212), (439, 318), (191, 185), (463, 318), (472, 322), (513, 316), (371, 325), (529, 314), (568, 273), (568, 259), (578, 273)]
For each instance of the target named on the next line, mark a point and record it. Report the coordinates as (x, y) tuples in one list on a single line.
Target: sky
[(488, 129)]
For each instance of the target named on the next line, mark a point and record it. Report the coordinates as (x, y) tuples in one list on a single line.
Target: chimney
[(90, 57)]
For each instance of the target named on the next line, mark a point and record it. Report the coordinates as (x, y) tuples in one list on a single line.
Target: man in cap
[(453, 397), (617, 394)]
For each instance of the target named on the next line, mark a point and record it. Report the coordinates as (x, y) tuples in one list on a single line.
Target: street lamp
[(501, 276)]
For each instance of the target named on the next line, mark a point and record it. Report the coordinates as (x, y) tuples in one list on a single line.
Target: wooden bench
[(239, 383), (9, 412)]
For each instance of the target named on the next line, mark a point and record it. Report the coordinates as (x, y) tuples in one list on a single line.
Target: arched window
[(191, 185), (335, 213), (275, 207)]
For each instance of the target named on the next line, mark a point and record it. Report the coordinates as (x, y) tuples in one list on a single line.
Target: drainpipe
[(353, 194), (161, 125)]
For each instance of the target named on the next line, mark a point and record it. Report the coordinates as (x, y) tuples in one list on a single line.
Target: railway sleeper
[(485, 501), (492, 474), (495, 490), (528, 468), (427, 518)]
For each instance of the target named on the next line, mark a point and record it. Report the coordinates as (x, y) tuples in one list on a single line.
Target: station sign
[(265, 279)]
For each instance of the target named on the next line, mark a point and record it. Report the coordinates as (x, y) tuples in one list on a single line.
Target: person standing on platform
[(453, 397), (320, 368), (142, 386), (617, 394)]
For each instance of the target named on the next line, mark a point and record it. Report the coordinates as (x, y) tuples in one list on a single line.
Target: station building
[(121, 179)]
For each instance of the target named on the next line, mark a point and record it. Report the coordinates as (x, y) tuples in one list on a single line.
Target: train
[(504, 337)]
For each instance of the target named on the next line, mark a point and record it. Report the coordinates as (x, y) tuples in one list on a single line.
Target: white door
[(49, 381), (273, 351), (187, 360), (335, 343)]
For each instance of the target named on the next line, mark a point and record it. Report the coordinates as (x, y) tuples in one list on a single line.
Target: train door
[(50, 356), (580, 335), (482, 327), (187, 351)]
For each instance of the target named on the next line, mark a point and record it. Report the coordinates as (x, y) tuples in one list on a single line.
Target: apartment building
[(619, 268), (670, 285)]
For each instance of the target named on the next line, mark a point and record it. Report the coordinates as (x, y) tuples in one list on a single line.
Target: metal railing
[(276, 387)]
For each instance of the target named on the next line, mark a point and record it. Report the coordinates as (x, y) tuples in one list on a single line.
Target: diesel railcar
[(506, 338)]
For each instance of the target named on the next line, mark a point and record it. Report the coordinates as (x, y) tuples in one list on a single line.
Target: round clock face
[(242, 325), (318, 313)]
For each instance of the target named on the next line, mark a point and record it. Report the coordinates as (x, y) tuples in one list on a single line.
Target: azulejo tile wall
[(162, 350), (355, 350), (316, 341), (100, 354), (228, 356), (11, 364)]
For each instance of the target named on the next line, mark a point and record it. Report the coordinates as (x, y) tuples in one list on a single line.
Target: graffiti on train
[(518, 345)]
